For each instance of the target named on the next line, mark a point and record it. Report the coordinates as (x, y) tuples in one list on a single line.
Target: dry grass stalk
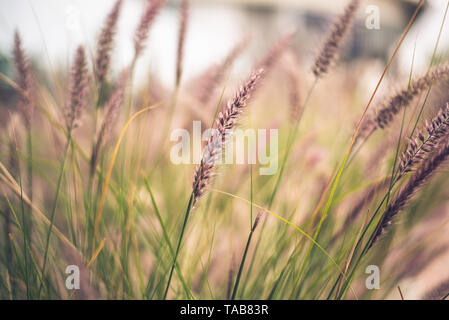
[(78, 89), (225, 123), (106, 43), (334, 40)]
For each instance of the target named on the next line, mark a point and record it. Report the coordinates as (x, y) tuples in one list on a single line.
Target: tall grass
[(90, 182)]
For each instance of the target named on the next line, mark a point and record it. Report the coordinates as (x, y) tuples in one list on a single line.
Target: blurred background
[(215, 26)]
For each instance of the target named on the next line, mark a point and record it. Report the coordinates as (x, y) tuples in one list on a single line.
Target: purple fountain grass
[(74, 109), (106, 43), (78, 90), (23, 79), (334, 40), (424, 142), (224, 124), (405, 194), (384, 115)]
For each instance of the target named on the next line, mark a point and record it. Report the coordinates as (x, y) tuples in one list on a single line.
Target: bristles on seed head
[(405, 194), (225, 123), (227, 118), (333, 42), (425, 142), (78, 89), (23, 79), (394, 104), (140, 37), (106, 42), (385, 114)]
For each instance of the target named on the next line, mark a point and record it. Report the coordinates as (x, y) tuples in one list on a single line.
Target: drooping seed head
[(413, 185), (385, 114), (424, 142), (394, 104)]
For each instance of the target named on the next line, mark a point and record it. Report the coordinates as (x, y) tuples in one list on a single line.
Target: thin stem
[(25, 237), (242, 264), (30, 174), (92, 168), (186, 217), (165, 234), (55, 202)]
